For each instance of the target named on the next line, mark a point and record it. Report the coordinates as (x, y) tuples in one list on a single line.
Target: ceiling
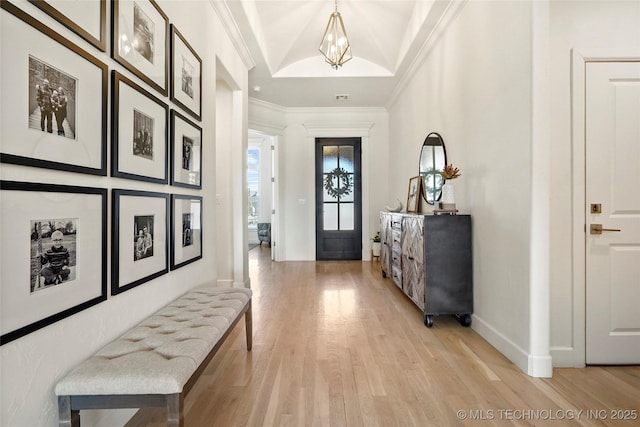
[(283, 37)]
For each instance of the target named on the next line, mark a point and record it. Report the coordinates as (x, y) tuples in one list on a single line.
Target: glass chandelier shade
[(335, 45)]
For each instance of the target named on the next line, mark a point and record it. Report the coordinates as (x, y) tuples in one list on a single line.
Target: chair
[(264, 232)]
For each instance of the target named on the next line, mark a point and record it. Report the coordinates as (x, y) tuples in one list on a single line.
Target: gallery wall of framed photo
[(117, 113), (106, 178)]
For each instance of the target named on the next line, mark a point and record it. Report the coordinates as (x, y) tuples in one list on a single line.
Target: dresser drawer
[(396, 275)]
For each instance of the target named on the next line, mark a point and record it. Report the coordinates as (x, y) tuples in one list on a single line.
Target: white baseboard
[(540, 366), (225, 283), (564, 357), (509, 349)]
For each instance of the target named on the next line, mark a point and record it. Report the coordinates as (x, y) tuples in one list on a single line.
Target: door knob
[(597, 229)]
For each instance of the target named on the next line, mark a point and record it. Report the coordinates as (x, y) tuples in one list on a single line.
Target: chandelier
[(335, 45)]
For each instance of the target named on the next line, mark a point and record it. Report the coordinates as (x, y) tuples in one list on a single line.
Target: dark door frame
[(347, 244)]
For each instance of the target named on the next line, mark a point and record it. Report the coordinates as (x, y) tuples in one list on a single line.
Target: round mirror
[(433, 159)]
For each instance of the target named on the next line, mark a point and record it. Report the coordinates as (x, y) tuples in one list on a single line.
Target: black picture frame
[(186, 230), (186, 152), (93, 32), (38, 291), (139, 132), (132, 262), (79, 143), (186, 75), (140, 41)]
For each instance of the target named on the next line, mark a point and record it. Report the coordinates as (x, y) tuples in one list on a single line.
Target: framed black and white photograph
[(139, 128), (54, 254), (414, 194), (186, 75), (140, 243), (88, 19), (186, 152), (186, 230), (54, 100), (141, 41)]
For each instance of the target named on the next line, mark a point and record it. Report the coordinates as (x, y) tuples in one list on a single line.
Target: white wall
[(473, 86), (31, 365), (574, 25), (224, 189)]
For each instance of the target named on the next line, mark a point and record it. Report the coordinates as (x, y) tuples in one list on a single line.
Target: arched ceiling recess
[(283, 37)]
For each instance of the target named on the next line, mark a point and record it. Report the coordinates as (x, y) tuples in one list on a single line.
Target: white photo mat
[(182, 127), (184, 254), (86, 18), (153, 72), (127, 204), (19, 307), (185, 62), (85, 152), (127, 98)]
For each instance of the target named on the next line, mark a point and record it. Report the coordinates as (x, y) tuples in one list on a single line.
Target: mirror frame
[(429, 143)]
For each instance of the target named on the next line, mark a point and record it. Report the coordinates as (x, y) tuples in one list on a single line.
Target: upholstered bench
[(157, 362)]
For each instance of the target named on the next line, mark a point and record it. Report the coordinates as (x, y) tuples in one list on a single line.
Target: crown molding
[(231, 28), (454, 7), (338, 129), (333, 110), (267, 105), (265, 128)]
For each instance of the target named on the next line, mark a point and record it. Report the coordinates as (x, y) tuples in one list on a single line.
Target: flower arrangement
[(449, 172)]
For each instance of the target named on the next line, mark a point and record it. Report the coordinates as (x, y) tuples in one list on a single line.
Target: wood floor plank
[(335, 344)]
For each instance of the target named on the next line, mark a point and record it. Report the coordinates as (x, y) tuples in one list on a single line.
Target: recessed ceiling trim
[(231, 28), (338, 129), (316, 67)]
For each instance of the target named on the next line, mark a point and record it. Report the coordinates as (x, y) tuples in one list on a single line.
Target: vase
[(375, 248), (448, 199)]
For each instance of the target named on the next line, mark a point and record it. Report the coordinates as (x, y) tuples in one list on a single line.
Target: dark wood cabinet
[(429, 257)]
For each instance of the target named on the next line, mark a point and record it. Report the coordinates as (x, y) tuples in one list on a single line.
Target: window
[(253, 182)]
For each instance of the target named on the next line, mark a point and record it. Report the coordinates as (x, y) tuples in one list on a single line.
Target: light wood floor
[(335, 344)]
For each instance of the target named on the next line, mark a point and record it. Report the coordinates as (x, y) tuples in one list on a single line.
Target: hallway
[(335, 344)]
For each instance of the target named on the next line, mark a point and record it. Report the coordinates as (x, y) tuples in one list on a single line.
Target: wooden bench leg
[(66, 416), (175, 415), (248, 326)]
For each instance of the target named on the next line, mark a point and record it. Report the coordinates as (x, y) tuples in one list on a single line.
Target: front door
[(338, 199), (612, 212)]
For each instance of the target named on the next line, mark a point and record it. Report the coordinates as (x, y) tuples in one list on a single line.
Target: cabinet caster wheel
[(465, 320), (428, 320)]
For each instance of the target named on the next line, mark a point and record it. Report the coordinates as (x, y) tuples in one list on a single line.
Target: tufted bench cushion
[(162, 353)]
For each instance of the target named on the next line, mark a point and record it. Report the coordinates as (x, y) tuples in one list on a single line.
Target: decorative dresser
[(429, 258)]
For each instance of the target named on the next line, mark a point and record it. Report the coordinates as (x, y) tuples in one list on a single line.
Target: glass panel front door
[(338, 199)]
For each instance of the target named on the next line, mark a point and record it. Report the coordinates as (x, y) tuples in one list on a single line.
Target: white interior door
[(613, 201)]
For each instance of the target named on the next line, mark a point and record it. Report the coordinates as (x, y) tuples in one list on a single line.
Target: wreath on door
[(344, 183)]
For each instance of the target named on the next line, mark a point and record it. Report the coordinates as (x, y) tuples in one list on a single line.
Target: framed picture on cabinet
[(141, 41), (186, 152), (54, 99), (139, 128), (88, 19), (186, 75), (54, 254), (140, 241), (186, 230), (414, 194)]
